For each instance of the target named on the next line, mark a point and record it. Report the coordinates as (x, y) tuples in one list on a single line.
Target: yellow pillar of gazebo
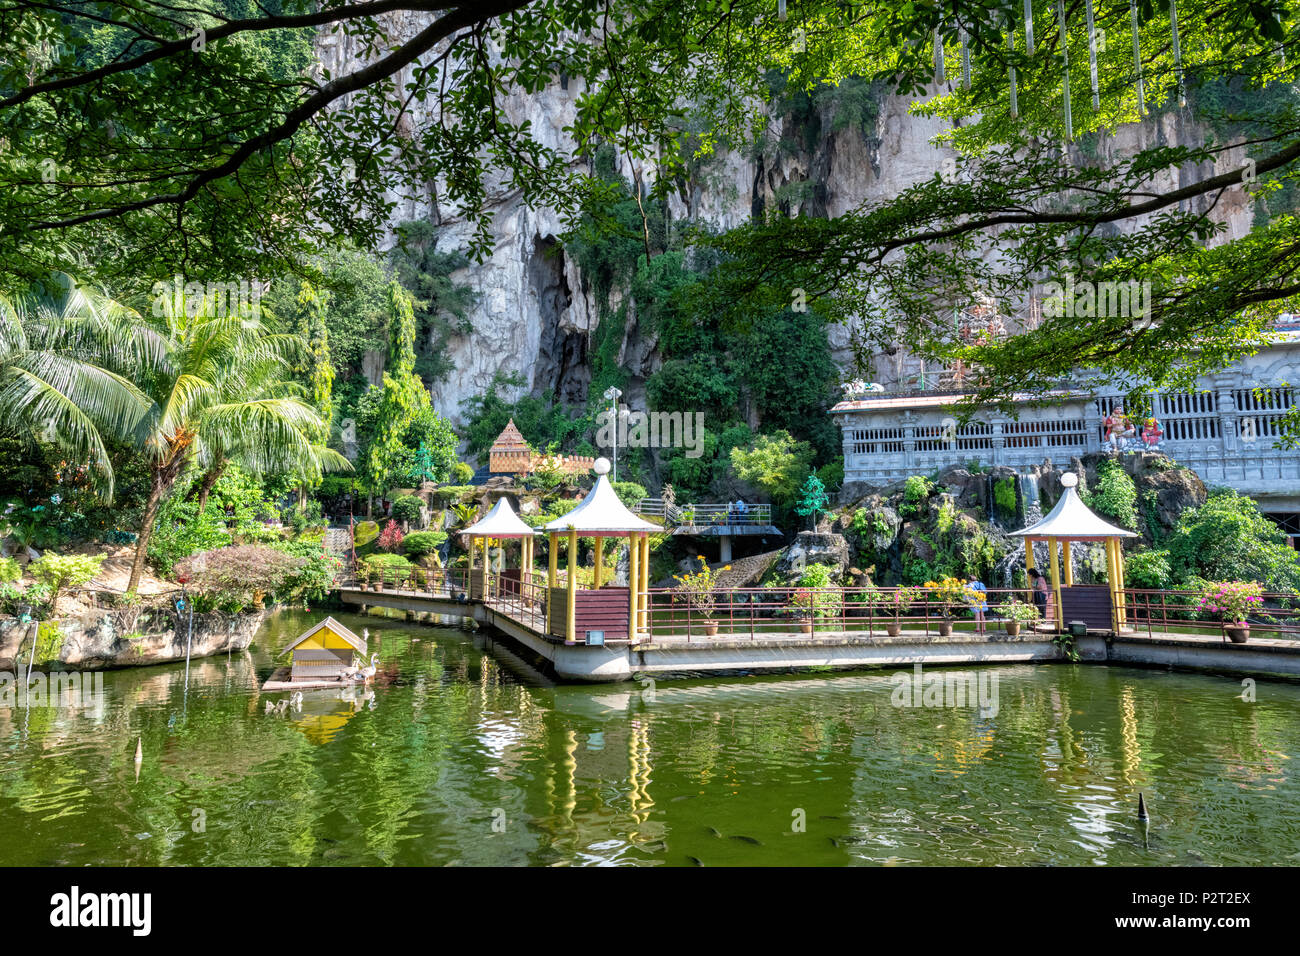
[(571, 589), (633, 581), (552, 564), (597, 571), (1067, 566)]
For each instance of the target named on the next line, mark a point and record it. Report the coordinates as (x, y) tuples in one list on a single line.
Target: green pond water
[(465, 755)]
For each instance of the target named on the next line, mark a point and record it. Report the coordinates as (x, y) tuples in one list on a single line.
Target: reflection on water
[(464, 755)]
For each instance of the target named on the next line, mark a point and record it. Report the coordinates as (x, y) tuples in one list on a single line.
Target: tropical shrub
[(1115, 495), (366, 531), (461, 473), (181, 530), (1148, 569), (915, 492), (816, 596), (390, 568), (58, 572), (949, 592), (391, 538), (417, 544), (629, 492), (9, 571), (407, 509), (314, 578), (1228, 539), (241, 575)]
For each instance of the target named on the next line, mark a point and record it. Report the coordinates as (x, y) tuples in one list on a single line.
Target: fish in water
[(748, 839), (713, 832), (695, 861)]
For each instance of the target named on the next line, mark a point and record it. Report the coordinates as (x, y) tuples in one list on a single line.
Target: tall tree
[(403, 397), (223, 392)]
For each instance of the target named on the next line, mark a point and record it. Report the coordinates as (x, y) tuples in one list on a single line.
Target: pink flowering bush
[(1231, 600)]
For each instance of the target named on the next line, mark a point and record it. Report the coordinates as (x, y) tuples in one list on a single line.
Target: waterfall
[(1029, 495)]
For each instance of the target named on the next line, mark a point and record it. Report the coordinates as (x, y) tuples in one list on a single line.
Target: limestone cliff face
[(535, 315)]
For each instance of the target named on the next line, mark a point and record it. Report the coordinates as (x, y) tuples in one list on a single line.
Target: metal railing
[(1155, 613), (706, 515), (754, 613)]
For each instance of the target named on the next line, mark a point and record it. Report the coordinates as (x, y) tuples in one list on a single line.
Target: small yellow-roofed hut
[(324, 653)]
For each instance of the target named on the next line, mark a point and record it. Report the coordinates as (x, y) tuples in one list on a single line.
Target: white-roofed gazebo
[(600, 515), (1071, 520), (498, 524)]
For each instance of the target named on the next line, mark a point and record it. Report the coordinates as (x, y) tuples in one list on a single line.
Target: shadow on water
[(465, 753)]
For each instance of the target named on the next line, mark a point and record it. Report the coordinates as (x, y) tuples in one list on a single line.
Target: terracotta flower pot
[(945, 628), (893, 628), (711, 628), (1013, 628), (806, 626), (1237, 633)]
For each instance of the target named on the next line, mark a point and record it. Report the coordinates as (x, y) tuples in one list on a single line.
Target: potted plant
[(946, 592), (815, 597), (896, 602), (1232, 601), (1015, 613), (698, 589)]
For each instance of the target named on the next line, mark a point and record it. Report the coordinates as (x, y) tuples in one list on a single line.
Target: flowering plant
[(899, 600), (1232, 600), (949, 591), (697, 589), (1019, 611)]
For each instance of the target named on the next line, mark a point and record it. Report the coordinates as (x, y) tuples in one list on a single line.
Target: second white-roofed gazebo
[(1071, 520), (498, 524), (604, 610)]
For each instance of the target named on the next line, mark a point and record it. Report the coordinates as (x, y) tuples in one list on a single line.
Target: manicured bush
[(419, 543), (407, 509), (629, 492), (461, 473), (367, 531)]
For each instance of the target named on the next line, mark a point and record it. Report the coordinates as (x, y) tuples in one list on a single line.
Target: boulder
[(815, 547)]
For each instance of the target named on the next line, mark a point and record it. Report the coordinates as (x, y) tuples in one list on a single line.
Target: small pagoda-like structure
[(510, 454)]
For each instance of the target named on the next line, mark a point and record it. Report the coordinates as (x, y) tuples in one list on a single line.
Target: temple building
[(512, 456), (1224, 431)]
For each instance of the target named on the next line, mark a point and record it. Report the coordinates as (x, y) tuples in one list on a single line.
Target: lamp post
[(612, 395)]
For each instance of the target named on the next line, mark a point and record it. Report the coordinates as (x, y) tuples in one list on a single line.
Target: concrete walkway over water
[(677, 655)]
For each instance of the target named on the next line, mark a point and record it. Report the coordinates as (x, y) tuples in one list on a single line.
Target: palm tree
[(224, 394), (67, 361)]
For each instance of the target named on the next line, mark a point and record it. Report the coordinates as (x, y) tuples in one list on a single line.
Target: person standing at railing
[(978, 600), (1039, 584)]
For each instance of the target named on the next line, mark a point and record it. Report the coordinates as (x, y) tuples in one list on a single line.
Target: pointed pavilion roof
[(500, 522), (510, 438), (1072, 519), (601, 512)]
